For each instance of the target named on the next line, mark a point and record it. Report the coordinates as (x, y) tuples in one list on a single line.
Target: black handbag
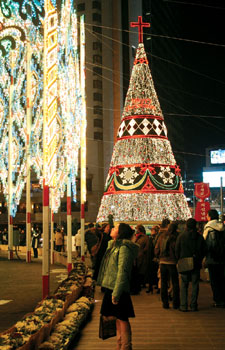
[(107, 327)]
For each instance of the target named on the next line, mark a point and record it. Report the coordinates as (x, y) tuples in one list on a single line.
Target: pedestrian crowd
[(167, 262)]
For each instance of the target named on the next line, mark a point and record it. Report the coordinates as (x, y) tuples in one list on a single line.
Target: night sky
[(189, 76)]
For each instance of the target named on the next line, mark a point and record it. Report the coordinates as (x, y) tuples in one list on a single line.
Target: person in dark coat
[(90, 238), (153, 262), (163, 229), (165, 250), (215, 265), (142, 259), (35, 242), (190, 244), (103, 239)]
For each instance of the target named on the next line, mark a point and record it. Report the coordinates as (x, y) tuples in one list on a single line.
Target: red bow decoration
[(140, 60), (146, 167), (177, 170), (113, 170)]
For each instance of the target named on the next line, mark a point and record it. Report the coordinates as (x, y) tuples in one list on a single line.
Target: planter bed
[(54, 314)]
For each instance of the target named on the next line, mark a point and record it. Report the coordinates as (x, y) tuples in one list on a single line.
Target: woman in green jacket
[(114, 276)]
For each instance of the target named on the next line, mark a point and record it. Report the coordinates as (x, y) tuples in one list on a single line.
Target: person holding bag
[(165, 250), (114, 276), (190, 250)]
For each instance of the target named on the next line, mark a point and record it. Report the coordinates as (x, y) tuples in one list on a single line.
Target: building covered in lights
[(110, 50)]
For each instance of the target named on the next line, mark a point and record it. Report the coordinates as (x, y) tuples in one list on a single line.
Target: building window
[(97, 84), (97, 70), (97, 59), (96, 5), (97, 29), (98, 123), (97, 46), (98, 135), (81, 7), (98, 110), (97, 96), (96, 17)]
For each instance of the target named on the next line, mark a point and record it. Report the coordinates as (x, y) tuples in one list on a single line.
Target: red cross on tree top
[(140, 26)]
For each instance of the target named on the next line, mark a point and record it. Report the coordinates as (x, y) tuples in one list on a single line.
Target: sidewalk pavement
[(155, 328), (21, 286)]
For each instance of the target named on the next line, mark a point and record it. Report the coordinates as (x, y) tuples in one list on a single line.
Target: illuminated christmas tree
[(144, 181)]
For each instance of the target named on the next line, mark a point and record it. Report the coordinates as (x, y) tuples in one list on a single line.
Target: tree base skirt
[(144, 207)]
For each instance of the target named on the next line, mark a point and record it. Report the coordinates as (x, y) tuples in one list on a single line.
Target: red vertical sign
[(202, 192)]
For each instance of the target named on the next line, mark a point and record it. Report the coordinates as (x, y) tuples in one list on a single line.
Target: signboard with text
[(201, 211)]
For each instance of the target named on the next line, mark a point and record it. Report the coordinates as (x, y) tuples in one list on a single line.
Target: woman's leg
[(125, 331)]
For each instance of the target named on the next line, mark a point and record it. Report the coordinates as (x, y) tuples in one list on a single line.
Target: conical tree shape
[(144, 181)]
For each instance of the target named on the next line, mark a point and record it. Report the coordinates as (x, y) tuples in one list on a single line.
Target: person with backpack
[(190, 244), (214, 235), (165, 250)]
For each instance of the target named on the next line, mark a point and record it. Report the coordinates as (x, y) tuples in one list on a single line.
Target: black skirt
[(123, 310)]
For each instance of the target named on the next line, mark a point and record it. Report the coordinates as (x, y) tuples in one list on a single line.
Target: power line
[(162, 98), (205, 121), (190, 154), (109, 69), (155, 35), (194, 4), (186, 68), (160, 58), (190, 94), (188, 40), (168, 114), (196, 115)]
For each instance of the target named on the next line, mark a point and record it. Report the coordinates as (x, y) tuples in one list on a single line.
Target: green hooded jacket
[(116, 266)]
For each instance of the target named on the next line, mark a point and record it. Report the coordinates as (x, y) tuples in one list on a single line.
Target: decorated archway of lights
[(40, 99)]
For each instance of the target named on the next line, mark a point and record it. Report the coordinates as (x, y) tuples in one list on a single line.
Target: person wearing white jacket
[(214, 263), (77, 240)]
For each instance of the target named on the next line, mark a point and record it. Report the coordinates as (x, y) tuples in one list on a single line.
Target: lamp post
[(10, 218), (83, 133), (28, 116), (221, 196)]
